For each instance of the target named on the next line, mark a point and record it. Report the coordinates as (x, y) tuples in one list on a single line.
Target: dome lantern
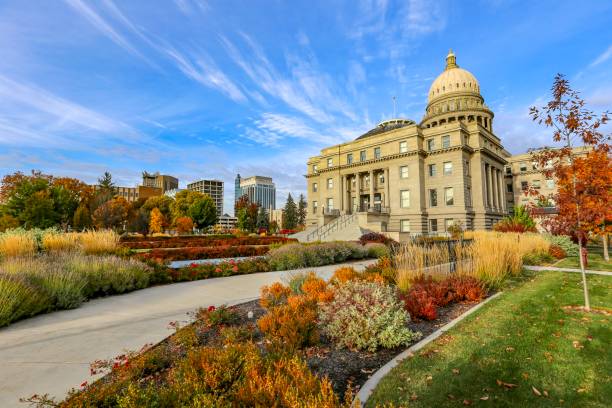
[(451, 60)]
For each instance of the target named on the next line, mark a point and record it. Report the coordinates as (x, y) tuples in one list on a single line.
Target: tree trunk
[(587, 303), (604, 238)]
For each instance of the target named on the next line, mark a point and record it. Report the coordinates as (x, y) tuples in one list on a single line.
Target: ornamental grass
[(17, 243)]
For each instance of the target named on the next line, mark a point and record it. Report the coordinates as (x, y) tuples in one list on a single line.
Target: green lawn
[(596, 260), (521, 340)]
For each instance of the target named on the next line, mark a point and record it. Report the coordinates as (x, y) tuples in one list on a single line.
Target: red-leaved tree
[(583, 180)]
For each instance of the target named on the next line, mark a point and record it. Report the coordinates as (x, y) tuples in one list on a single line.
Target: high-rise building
[(237, 191), (214, 188), (164, 182), (259, 189)]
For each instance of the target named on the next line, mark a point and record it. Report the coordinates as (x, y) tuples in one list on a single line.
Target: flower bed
[(181, 254), (277, 351), (202, 241)]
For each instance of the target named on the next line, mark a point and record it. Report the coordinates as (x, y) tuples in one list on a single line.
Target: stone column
[(387, 198), (347, 194), (358, 191), (495, 191), (502, 191), (371, 188)]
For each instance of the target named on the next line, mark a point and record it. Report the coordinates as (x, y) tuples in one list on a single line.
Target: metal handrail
[(325, 230)]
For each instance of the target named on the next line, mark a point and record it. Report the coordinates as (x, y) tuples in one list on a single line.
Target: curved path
[(51, 353)]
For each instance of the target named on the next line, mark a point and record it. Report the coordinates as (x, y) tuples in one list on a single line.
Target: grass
[(521, 350), (20, 242), (596, 260)]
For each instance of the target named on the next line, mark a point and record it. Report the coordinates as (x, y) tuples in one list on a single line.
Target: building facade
[(259, 189), (417, 178), (214, 188), (523, 174), (227, 222), (161, 181)]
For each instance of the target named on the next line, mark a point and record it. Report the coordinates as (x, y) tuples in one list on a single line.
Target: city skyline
[(115, 86)]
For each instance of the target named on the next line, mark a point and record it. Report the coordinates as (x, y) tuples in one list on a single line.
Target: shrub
[(556, 251), (215, 316), (293, 325), (317, 289), (465, 288), (344, 274), (564, 242), (365, 316), (296, 280), (295, 256), (377, 250), (274, 295), (373, 237), (194, 253), (537, 258), (19, 299), (420, 304)]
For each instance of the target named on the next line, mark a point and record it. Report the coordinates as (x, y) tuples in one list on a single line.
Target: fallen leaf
[(525, 375), (455, 371), (545, 393), (450, 396), (509, 349), (577, 344), (413, 397), (484, 398), (536, 391), (581, 390), (467, 402), (590, 338), (506, 385)]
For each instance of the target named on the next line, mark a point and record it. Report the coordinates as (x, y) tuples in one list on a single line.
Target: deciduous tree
[(184, 225), (112, 214), (584, 187), (156, 223), (203, 212)]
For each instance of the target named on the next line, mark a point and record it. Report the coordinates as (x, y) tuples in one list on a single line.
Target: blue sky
[(206, 89)]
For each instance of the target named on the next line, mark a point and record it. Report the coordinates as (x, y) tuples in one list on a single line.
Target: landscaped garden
[(46, 270), (311, 342)]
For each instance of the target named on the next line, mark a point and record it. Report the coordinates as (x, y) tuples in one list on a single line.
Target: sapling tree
[(584, 191)]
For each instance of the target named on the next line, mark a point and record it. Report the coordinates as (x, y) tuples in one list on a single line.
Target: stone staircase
[(343, 228)]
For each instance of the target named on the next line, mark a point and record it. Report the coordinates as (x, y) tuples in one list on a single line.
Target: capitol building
[(404, 177)]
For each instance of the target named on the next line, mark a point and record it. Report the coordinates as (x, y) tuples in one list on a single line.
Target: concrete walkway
[(51, 353), (552, 268)]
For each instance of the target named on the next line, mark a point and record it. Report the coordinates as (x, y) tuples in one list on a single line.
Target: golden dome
[(453, 80)]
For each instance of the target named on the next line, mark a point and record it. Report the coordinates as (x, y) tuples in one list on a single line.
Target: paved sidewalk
[(552, 268), (51, 353)]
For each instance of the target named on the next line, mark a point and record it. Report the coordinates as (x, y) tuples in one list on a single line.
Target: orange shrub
[(274, 295), (344, 274), (293, 325), (317, 289), (556, 251)]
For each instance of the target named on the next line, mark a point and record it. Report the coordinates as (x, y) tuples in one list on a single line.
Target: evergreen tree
[(262, 219), (290, 216), (301, 212), (106, 182)]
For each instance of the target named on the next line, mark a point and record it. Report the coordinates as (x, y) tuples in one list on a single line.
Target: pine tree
[(263, 223), (301, 212), (290, 216)]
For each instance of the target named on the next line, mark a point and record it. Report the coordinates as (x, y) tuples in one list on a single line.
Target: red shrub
[(557, 252), (420, 305), (201, 241), (465, 288), (181, 254)]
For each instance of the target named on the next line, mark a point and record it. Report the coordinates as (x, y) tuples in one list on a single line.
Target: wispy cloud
[(603, 57), (202, 69), (189, 6)]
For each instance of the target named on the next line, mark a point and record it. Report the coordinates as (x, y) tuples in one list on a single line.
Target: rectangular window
[(405, 198), (431, 144), (330, 183), (448, 168), (536, 184), (448, 222), (377, 152), (330, 162), (314, 207), (509, 188), (467, 168), (330, 203), (468, 196), (349, 158), (433, 197), (362, 155), (404, 225), (534, 166), (449, 196), (315, 187), (445, 142), (523, 166), (550, 183), (314, 168), (432, 170), (524, 185), (433, 225), (403, 147), (508, 170), (403, 173)]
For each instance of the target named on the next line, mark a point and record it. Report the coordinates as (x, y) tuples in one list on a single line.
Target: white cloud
[(603, 57)]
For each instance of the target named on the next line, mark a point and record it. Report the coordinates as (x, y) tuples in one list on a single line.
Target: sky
[(207, 89)]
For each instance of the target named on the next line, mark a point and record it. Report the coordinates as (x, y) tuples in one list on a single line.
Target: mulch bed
[(343, 366)]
